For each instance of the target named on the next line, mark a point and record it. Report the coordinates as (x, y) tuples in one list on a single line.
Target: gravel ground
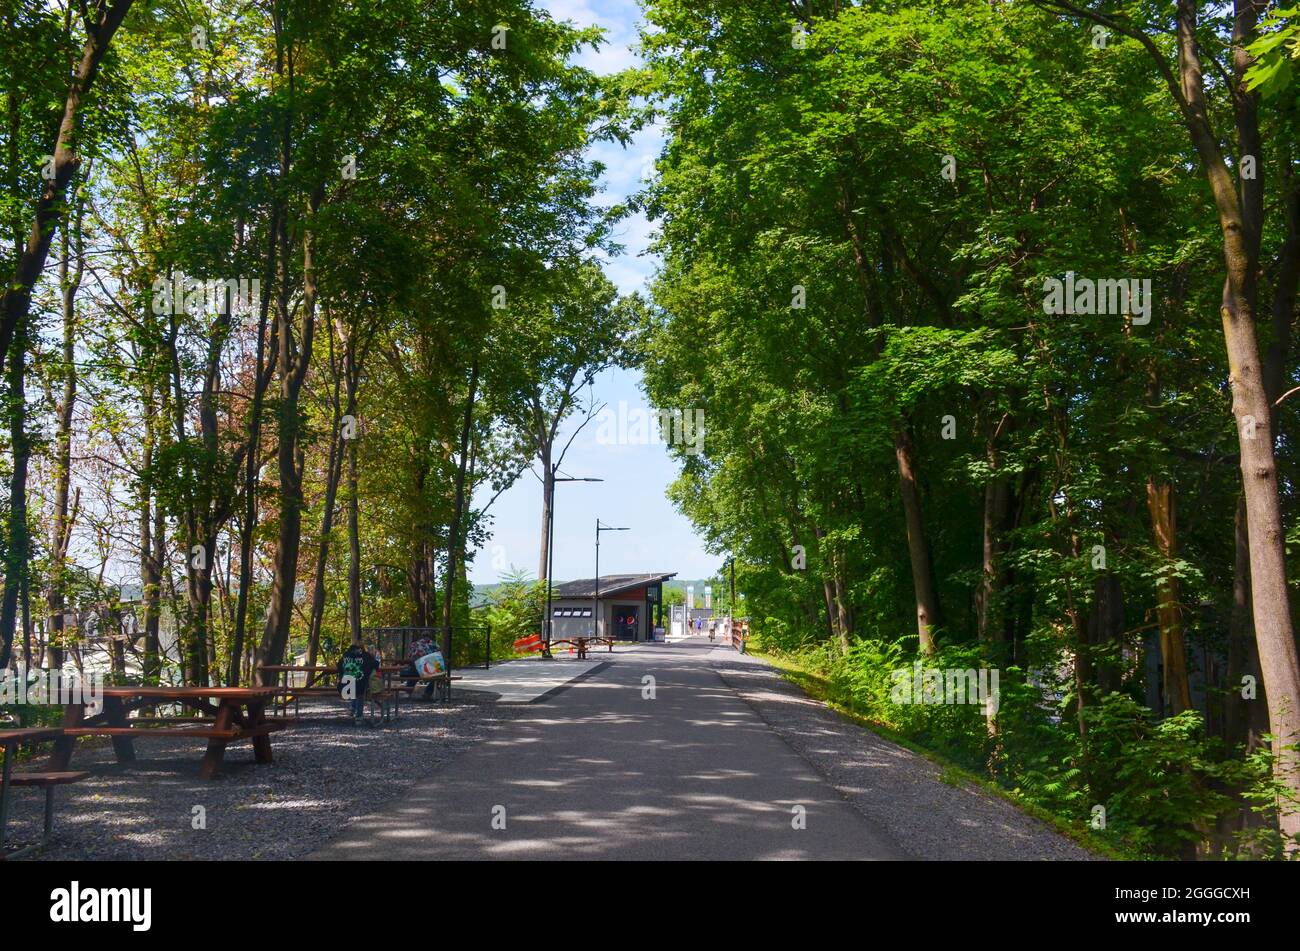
[(326, 774), (890, 784)]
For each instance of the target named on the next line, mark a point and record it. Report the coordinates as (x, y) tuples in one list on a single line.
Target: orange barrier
[(532, 643)]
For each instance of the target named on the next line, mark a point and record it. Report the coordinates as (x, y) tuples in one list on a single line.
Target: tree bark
[(333, 472), (457, 518), (264, 369), (293, 362), (64, 518), (1246, 719), (544, 456), (927, 600), (351, 373), (18, 550), (989, 624), (1173, 650), (101, 23)]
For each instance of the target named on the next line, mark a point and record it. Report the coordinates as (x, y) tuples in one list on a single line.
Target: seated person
[(419, 647)]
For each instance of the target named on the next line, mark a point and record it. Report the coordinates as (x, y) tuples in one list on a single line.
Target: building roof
[(610, 585)]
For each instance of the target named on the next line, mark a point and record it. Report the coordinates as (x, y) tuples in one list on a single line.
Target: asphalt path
[(652, 757)]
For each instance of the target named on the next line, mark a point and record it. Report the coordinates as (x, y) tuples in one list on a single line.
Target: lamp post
[(550, 554), (595, 618)]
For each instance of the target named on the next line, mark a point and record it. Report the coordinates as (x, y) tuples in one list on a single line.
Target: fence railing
[(473, 642), (739, 633)]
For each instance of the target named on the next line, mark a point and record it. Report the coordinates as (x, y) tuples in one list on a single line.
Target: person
[(354, 670), (420, 647), (711, 628)]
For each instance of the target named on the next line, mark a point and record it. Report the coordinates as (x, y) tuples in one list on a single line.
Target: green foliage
[(1275, 52), (516, 608), (863, 227)]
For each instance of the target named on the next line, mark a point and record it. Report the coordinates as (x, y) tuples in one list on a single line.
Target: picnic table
[(10, 740), (397, 682), (230, 714), (392, 682), (314, 687)]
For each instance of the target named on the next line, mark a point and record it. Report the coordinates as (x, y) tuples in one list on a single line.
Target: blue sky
[(636, 476)]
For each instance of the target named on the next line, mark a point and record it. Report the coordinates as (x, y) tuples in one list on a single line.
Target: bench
[(10, 741), (399, 683), (386, 699), (316, 686), (206, 733), (286, 695)]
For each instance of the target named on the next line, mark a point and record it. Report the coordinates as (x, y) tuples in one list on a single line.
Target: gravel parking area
[(327, 773), (890, 784)]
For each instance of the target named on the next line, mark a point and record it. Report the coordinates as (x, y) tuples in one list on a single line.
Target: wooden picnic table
[(230, 714), (316, 673)]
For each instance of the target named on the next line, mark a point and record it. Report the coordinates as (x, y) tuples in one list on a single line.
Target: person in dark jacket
[(355, 667)]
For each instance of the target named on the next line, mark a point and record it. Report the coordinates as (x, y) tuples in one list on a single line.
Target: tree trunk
[(333, 472), (1246, 718), (17, 551), (261, 380), (105, 20), (352, 372), (457, 517), (150, 564), (417, 588), (547, 475), (1270, 603), (1176, 687), (293, 363), (927, 601), (990, 626), (61, 535)]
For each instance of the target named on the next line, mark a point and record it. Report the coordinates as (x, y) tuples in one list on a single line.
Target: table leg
[(261, 744), (9, 750), (115, 714), (73, 714), (217, 744)]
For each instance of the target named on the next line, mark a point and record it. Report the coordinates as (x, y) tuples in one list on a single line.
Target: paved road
[(598, 772)]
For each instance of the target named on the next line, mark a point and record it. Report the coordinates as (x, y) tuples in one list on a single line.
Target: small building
[(621, 607)]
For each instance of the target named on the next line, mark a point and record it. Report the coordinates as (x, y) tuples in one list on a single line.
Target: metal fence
[(394, 643)]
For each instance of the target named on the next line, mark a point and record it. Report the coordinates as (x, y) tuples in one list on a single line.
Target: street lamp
[(595, 618), (550, 555)]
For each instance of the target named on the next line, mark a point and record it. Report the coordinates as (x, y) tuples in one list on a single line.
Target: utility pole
[(550, 555), (595, 618)]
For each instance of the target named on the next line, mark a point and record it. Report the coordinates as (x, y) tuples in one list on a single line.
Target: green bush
[(1164, 785)]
